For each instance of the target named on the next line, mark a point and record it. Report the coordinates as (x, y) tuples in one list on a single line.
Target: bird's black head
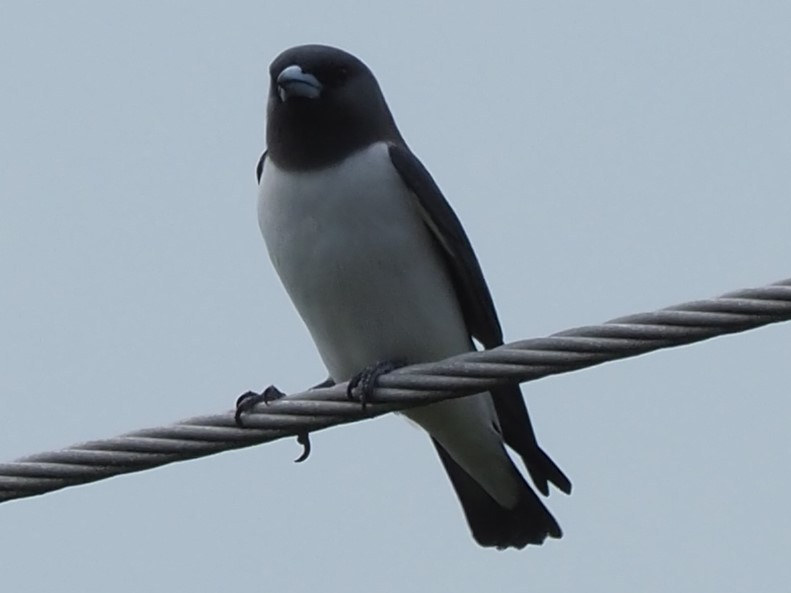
[(324, 104)]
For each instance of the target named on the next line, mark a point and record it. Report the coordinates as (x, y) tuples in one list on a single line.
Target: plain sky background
[(606, 158)]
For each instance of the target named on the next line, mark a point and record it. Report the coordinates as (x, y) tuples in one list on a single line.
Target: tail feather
[(492, 525), (542, 469), (519, 435)]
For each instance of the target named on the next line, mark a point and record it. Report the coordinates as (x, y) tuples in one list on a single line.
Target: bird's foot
[(247, 401), (366, 379)]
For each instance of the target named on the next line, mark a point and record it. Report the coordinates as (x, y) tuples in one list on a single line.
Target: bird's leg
[(328, 382), (366, 380)]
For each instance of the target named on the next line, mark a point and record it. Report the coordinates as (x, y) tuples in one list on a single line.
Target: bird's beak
[(293, 82)]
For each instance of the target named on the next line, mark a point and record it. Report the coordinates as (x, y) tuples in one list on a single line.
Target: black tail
[(518, 434), (493, 525)]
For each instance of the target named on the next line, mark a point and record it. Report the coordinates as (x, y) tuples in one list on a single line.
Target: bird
[(382, 273)]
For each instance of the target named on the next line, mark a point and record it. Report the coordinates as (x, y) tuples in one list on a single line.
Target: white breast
[(359, 263), (369, 282)]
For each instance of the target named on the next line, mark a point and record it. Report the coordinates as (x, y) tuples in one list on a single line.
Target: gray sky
[(605, 158)]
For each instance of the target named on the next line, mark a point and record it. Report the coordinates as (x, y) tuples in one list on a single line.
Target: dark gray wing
[(473, 293), (259, 168), (478, 310)]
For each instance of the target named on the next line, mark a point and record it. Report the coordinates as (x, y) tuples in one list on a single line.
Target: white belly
[(360, 266), (369, 282)]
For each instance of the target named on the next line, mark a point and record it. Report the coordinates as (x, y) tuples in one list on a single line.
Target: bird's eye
[(342, 73)]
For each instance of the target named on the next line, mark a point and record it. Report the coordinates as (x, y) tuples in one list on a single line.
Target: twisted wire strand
[(312, 410)]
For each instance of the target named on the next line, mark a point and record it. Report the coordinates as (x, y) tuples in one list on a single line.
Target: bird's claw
[(366, 380), (247, 401), (304, 440)]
